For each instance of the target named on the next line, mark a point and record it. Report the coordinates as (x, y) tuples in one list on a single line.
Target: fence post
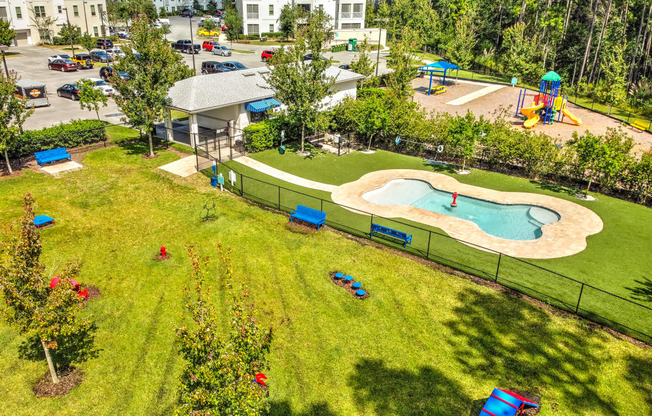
[(371, 222), (628, 116), (577, 308), (321, 207), (196, 159), (428, 250), (500, 256), (241, 185), (279, 197)]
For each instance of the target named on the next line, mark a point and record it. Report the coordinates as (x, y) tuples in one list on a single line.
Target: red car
[(62, 65), (267, 55), (209, 44)]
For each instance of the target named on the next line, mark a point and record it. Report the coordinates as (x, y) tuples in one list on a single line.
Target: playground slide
[(532, 116), (570, 115)]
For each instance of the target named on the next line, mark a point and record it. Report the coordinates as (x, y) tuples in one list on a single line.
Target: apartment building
[(260, 16), (39, 21), (177, 5)]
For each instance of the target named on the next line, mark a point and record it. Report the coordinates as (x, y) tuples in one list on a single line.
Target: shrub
[(272, 34), (260, 136), (73, 134)]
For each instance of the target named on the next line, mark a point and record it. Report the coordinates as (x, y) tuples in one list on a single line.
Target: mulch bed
[(301, 227), (351, 290), (68, 380), (158, 257), (93, 292)]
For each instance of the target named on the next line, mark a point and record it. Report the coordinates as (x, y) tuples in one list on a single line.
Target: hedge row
[(73, 134)]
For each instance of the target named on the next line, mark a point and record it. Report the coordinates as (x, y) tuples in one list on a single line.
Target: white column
[(169, 134), (194, 129)]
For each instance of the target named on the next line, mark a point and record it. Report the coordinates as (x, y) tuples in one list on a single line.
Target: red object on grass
[(83, 294), (260, 379), (163, 252), (75, 286), (54, 282)]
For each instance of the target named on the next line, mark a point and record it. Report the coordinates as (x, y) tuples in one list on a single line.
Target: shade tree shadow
[(441, 166), (552, 187), (517, 344), (639, 375), (644, 291), (316, 409), (383, 390)]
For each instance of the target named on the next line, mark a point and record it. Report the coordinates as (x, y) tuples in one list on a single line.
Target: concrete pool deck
[(560, 239)]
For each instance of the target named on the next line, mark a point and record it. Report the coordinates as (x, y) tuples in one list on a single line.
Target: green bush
[(261, 136), (73, 134), (277, 35), (252, 37)]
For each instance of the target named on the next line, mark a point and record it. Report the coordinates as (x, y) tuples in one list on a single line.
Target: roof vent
[(264, 71), (248, 74)]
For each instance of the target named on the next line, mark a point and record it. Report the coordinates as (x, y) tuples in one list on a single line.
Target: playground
[(485, 99)]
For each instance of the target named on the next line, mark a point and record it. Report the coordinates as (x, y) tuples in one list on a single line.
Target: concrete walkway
[(287, 177), (474, 95), (61, 167), (183, 167)]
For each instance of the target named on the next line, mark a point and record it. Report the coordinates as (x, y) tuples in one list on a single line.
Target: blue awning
[(440, 66), (262, 105)]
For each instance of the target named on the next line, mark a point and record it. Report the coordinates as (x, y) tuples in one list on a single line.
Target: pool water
[(512, 222)]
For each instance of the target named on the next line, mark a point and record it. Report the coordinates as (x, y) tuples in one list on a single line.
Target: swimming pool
[(513, 221)]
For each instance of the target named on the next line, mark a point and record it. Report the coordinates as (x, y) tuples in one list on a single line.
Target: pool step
[(543, 215)]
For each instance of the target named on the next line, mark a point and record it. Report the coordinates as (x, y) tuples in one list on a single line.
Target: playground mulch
[(341, 283), (68, 380), (507, 97)]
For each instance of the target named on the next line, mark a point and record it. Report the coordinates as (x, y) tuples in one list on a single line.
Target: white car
[(62, 56), (115, 53), (163, 21), (100, 84)]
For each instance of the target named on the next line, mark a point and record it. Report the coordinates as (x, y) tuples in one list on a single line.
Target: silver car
[(221, 50)]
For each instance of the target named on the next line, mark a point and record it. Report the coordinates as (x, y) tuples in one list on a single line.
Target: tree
[(13, 113), (87, 42), (460, 49), (288, 20), (640, 176), (211, 7), (363, 64), (7, 34), (370, 14), (43, 24), (372, 117), (520, 57), (233, 22), (90, 98), (464, 131), (197, 6), (613, 83), (152, 72), (209, 24), (302, 85), (48, 315), (70, 32), (219, 375), (400, 61)]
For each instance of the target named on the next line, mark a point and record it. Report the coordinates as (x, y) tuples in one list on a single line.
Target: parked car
[(208, 45), (185, 45), (310, 57), (115, 53), (101, 85), (267, 55), (221, 50), (213, 67), (104, 43), (163, 21), (345, 66), (207, 33), (69, 91), (83, 61), (123, 34), (101, 56), (53, 57), (187, 13), (234, 66), (62, 65), (106, 72)]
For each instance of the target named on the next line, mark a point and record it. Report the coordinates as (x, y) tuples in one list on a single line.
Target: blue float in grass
[(348, 278), (339, 275), (360, 292), (357, 285)]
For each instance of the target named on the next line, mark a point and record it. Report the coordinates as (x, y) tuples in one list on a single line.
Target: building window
[(271, 10), (39, 11), (253, 30), (75, 10), (346, 11), (252, 11), (357, 11), (96, 31), (93, 9), (19, 12), (271, 28), (350, 25), (59, 9)]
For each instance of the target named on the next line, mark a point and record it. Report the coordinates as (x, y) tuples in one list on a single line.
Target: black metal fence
[(563, 292)]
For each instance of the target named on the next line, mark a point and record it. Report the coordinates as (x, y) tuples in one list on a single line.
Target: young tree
[(87, 42), (372, 117), (219, 376), (43, 24), (233, 22), (211, 7), (400, 60), (69, 32), (520, 57), (13, 113), (288, 20), (151, 73), (38, 312), (464, 131), (613, 82), (209, 24), (639, 177), (7, 35), (363, 64), (302, 85), (91, 98), (460, 49)]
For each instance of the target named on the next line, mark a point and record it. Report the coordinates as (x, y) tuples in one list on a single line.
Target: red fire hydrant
[(454, 204), (163, 252)]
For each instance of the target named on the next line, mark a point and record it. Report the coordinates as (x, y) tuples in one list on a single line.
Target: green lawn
[(617, 259), (424, 343)]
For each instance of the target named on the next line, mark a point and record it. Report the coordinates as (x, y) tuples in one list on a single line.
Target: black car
[(213, 67), (187, 13), (100, 56), (345, 66), (69, 91), (234, 66), (310, 57), (106, 72), (104, 43)]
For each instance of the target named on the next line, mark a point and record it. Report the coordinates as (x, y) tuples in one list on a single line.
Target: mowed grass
[(424, 343), (616, 260)]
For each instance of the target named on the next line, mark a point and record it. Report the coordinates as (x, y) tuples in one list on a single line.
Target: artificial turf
[(424, 343)]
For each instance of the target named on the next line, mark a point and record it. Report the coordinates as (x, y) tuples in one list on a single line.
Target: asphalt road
[(31, 63)]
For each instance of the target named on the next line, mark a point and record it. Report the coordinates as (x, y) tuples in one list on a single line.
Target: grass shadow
[(317, 409), (639, 376), (552, 187), (644, 292), (440, 166)]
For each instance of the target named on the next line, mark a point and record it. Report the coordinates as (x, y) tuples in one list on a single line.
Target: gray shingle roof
[(207, 92)]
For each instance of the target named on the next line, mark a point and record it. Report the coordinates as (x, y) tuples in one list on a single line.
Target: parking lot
[(31, 63)]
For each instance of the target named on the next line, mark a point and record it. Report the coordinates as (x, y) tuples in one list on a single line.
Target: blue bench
[(407, 239), (310, 215), (52, 155)]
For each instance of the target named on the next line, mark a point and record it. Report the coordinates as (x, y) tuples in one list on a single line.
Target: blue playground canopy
[(439, 67), (505, 403)]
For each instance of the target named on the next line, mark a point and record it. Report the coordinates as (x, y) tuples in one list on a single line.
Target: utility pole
[(380, 31), (72, 46), (85, 18), (3, 48), (100, 9), (192, 47)]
